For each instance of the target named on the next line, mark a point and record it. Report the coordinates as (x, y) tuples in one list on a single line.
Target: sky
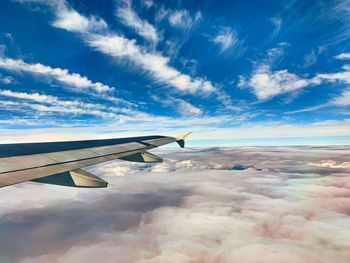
[(230, 204), (234, 72)]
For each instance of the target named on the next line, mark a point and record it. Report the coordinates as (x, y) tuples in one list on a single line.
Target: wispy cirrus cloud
[(343, 76), (158, 65), (58, 74), (228, 40), (35, 103), (183, 19), (130, 18), (119, 47), (277, 23), (73, 21), (46, 104), (185, 108)]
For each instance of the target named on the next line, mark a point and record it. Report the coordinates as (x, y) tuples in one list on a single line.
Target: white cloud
[(188, 109), (48, 103), (337, 76), (193, 212), (267, 84), (183, 107), (331, 164), (343, 99), (71, 20), (158, 65), (310, 59), (129, 17), (343, 56), (226, 39), (116, 46), (161, 13), (29, 96), (183, 19), (61, 75), (6, 80), (148, 3)]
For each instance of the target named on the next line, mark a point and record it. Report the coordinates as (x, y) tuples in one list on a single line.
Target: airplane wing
[(60, 163)]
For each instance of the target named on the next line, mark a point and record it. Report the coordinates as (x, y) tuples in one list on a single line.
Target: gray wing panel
[(17, 169)]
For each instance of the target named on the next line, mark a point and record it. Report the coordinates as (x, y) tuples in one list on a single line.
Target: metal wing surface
[(60, 163)]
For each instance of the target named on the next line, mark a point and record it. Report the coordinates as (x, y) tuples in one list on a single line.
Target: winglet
[(181, 139)]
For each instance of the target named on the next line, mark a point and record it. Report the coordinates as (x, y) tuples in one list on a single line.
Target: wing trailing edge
[(60, 163)]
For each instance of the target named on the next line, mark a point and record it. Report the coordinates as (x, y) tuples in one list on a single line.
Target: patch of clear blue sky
[(307, 34)]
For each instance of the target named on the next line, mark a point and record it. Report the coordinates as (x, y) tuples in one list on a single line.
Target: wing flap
[(142, 157), (75, 178)]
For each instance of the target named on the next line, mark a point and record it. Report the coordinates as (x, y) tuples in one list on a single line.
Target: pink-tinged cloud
[(255, 205)]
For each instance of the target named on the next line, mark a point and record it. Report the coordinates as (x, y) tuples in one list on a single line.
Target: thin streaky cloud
[(43, 103), (116, 46), (277, 23), (183, 19), (227, 39), (182, 106), (59, 74), (71, 20), (130, 18)]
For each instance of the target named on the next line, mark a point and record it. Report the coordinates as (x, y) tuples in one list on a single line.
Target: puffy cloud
[(193, 209), (267, 84)]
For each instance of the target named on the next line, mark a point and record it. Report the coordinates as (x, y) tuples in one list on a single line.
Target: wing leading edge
[(61, 162)]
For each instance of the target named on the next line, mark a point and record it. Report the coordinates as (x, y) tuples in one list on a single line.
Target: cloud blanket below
[(290, 204)]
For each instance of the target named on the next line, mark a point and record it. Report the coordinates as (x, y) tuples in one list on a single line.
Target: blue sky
[(234, 72)]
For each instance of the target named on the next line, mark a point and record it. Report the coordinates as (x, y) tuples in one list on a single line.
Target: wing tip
[(183, 135), (180, 139)]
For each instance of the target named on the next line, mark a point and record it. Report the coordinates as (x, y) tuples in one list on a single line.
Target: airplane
[(61, 163)]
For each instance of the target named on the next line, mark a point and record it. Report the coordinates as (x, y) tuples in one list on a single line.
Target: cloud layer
[(289, 205)]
